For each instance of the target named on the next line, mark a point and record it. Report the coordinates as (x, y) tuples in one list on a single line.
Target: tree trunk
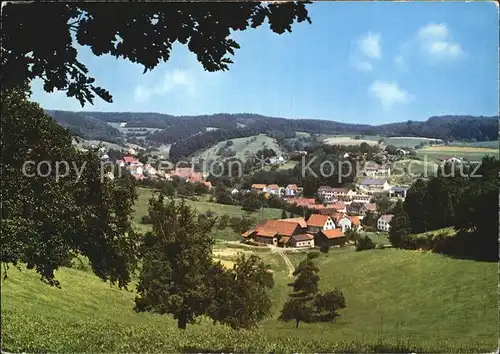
[(181, 323), (297, 323)]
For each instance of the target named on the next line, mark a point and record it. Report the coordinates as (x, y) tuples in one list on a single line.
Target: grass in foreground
[(397, 301)]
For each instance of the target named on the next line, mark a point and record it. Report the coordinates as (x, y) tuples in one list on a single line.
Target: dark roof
[(399, 189), (370, 181), (303, 237)]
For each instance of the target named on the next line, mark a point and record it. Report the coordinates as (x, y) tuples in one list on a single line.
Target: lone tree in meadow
[(177, 254), (179, 277), (143, 33), (240, 297), (306, 303), (251, 202)]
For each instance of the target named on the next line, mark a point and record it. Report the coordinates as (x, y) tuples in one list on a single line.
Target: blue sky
[(366, 62)]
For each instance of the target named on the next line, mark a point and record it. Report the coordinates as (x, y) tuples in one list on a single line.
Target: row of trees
[(468, 201)]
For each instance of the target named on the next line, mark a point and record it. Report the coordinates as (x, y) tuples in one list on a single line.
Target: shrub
[(223, 222), (365, 243), (324, 249), (146, 220)]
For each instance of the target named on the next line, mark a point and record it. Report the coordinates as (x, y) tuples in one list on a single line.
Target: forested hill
[(86, 126), (189, 133)]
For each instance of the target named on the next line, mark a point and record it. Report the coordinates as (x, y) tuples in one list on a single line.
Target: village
[(333, 212)]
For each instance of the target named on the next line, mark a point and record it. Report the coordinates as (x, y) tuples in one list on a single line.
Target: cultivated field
[(243, 148), (397, 301), (347, 140)]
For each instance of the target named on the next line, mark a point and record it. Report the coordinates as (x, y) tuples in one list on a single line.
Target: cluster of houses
[(136, 168), (290, 190), (141, 171), (187, 174), (318, 230)]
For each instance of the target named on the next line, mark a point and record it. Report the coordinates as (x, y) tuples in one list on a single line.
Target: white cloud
[(172, 80), (366, 49), (445, 49), (433, 30), (369, 45), (436, 43), (389, 93)]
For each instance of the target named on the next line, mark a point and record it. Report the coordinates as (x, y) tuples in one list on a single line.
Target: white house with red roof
[(318, 222), (291, 190)]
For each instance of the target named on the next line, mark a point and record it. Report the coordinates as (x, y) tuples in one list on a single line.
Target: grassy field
[(380, 238), (484, 144), (243, 147), (397, 301), (404, 172), (467, 152), (407, 142), (398, 141)]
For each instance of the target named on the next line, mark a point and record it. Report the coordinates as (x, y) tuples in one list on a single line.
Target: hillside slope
[(242, 148), (396, 301)]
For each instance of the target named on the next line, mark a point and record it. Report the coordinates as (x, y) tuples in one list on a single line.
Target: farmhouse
[(339, 207), (373, 169), (273, 189), (374, 185), (325, 193), (318, 222), (368, 207), (361, 198), (304, 202), (302, 240), (333, 237), (342, 192), (354, 208), (302, 223), (187, 173), (398, 192), (383, 223), (258, 188), (291, 190), (452, 159), (342, 221), (355, 222), (276, 160), (278, 232)]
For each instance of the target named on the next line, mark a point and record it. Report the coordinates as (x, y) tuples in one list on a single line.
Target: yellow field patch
[(226, 264), (348, 141), (458, 149)]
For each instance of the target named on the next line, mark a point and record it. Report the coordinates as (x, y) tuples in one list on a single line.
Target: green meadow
[(397, 301)]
